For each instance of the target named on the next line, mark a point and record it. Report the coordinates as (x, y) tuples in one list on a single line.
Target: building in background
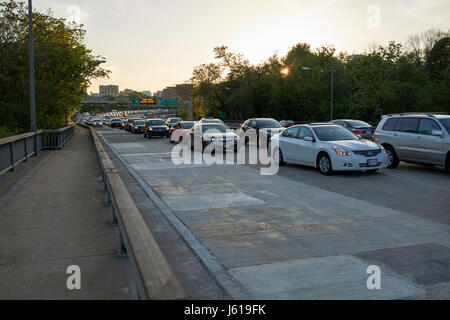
[(168, 93), (111, 90), (126, 92), (159, 94), (147, 93)]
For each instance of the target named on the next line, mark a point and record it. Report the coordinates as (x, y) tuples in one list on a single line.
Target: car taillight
[(357, 131), (373, 136)]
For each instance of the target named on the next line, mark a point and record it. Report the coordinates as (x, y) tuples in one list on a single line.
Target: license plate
[(372, 162)]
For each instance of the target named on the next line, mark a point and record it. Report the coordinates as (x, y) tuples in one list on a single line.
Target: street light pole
[(331, 98), (33, 126)]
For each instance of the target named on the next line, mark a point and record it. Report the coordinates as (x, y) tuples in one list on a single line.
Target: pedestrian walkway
[(59, 218)]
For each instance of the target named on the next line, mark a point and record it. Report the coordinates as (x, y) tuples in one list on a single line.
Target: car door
[(406, 133), (429, 148), (288, 143), (305, 150)]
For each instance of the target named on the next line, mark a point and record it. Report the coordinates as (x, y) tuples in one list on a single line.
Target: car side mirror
[(311, 139), (437, 133)]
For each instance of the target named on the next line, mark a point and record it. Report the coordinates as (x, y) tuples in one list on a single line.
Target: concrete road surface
[(298, 234)]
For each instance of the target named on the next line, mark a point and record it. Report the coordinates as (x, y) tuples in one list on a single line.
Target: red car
[(179, 132)]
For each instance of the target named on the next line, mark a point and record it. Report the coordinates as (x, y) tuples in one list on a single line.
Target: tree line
[(64, 67), (408, 77)]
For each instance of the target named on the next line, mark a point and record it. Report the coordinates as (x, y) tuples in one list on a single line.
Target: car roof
[(210, 123), (437, 115), (315, 124)]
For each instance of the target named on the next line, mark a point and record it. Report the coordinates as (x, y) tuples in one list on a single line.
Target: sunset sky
[(151, 44)]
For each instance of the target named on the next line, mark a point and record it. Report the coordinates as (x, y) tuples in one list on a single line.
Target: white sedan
[(327, 147)]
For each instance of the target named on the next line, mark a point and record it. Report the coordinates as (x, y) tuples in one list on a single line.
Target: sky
[(152, 44)]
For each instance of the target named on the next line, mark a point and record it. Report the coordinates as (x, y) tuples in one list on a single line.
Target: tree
[(64, 67)]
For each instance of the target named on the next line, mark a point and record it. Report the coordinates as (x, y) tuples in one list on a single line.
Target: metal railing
[(19, 148), (153, 275)]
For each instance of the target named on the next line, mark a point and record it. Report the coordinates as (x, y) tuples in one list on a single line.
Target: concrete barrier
[(155, 279)]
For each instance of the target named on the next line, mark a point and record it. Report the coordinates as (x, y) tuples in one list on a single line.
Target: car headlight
[(150, 129), (383, 149), (342, 152), (213, 139)]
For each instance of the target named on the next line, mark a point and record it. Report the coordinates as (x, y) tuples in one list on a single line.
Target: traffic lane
[(296, 226), (415, 189)]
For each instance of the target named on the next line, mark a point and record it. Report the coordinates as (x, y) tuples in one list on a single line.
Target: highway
[(298, 234)]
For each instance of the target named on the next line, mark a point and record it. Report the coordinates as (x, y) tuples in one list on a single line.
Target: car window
[(446, 124), (269, 123), (290, 133), (305, 132), (390, 124), (428, 125), (358, 123), (333, 133), (218, 128), (407, 125), (156, 122), (341, 123), (187, 125)]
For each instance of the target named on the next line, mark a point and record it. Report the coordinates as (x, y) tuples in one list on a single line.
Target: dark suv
[(416, 138), (156, 127), (138, 126), (267, 127)]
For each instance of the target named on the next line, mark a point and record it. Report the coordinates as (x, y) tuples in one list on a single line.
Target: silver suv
[(417, 138)]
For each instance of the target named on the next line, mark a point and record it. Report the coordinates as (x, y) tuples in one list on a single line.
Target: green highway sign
[(154, 101)]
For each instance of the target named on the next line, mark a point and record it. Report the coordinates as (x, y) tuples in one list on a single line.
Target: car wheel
[(324, 164), (393, 160), (278, 157), (447, 164)]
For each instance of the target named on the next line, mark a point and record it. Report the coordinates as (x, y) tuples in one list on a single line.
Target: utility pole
[(331, 116), (33, 126)]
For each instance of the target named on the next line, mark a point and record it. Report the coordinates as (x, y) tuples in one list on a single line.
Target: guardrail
[(19, 148), (154, 277)]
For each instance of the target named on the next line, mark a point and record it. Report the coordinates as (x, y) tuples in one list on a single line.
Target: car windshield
[(358, 123), (139, 122), (269, 124), (220, 128), (333, 133), (173, 120), (187, 125), (116, 120), (212, 121), (156, 122), (446, 124)]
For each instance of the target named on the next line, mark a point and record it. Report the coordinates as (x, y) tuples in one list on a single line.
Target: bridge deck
[(58, 218)]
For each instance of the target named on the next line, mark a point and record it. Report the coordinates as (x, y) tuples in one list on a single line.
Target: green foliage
[(63, 68), (387, 79)]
